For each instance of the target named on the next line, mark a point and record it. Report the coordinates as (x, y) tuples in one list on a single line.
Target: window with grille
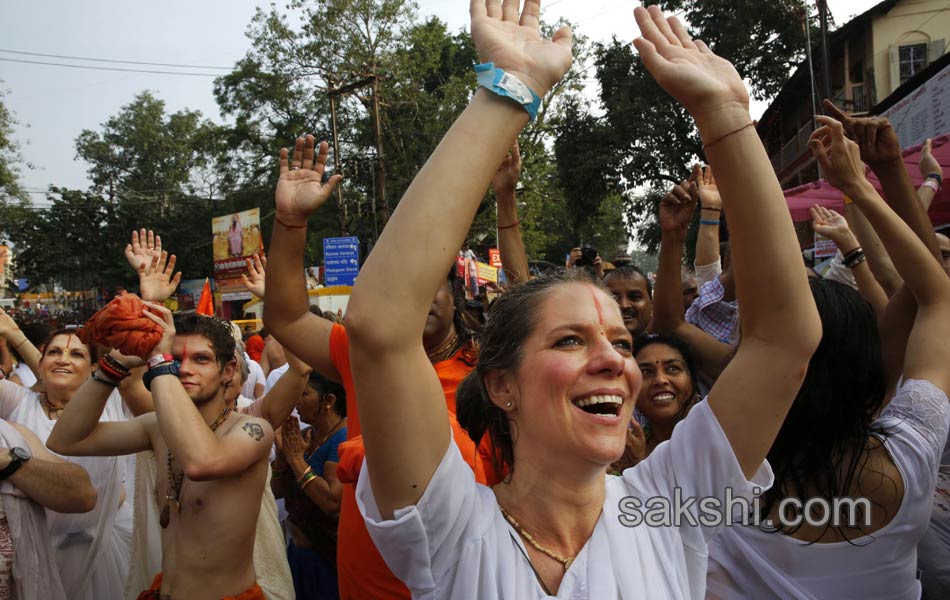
[(912, 60)]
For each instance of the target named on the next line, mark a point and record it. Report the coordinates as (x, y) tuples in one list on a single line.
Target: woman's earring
[(508, 404)]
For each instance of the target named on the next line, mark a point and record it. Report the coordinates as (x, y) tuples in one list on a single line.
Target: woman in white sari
[(91, 549)]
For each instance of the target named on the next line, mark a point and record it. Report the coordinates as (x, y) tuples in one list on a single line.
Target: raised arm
[(932, 173), (707, 243), (78, 432), (780, 324), (18, 341), (835, 227), (49, 480), (281, 400), (389, 305), (675, 212), (510, 244), (300, 191), (928, 352)]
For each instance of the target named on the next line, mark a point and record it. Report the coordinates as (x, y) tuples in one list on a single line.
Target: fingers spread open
[(663, 26), (476, 9), (298, 153), (649, 31), (563, 36)]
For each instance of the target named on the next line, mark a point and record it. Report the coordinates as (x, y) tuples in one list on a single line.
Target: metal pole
[(380, 164), (337, 164), (811, 68), (825, 61)]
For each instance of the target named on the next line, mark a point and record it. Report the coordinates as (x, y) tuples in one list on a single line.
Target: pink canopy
[(803, 197)]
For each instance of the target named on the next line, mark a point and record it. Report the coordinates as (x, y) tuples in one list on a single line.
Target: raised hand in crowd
[(17, 340), (145, 246), (780, 323), (705, 187), (932, 173), (300, 189), (834, 226), (156, 269), (510, 245), (676, 209), (875, 136), (254, 279), (925, 353)]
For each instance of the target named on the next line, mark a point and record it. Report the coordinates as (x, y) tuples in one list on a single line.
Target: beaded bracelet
[(709, 222)]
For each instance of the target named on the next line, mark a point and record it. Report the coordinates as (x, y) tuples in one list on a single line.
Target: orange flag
[(206, 303)]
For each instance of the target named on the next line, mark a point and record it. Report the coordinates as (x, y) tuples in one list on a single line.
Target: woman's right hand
[(300, 189), (515, 44)]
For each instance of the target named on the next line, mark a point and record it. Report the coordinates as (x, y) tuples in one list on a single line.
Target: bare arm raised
[(780, 324), (387, 311), (510, 244), (300, 191)]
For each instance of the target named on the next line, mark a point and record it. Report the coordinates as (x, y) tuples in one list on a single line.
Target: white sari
[(92, 549)]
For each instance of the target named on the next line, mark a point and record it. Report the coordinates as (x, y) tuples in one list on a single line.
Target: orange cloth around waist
[(252, 593)]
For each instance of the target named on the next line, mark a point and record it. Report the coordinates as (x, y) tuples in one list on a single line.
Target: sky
[(53, 104)]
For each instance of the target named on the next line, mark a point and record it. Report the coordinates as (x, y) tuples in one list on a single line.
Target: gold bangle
[(309, 481)]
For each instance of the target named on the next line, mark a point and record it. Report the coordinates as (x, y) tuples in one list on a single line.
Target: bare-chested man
[(212, 461)]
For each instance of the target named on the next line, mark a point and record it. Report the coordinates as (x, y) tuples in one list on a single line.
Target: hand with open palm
[(708, 86), (514, 43), (300, 189)]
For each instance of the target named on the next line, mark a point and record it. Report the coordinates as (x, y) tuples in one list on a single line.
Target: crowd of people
[(588, 433)]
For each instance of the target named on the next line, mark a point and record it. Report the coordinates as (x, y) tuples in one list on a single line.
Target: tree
[(14, 203)]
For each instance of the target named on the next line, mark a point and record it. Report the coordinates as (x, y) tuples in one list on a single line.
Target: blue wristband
[(508, 86), (708, 222)]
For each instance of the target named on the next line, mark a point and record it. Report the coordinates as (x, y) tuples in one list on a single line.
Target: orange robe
[(361, 569), (252, 593)]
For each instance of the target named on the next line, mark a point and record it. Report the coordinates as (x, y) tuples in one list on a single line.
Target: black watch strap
[(165, 369), (18, 456)]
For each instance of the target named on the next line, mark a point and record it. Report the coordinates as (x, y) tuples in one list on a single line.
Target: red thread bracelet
[(288, 225), (515, 224), (722, 137)]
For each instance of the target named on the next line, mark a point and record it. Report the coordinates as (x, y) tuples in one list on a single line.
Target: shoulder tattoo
[(255, 431)]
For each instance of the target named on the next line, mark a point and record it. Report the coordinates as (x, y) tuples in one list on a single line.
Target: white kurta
[(92, 549), (456, 544)]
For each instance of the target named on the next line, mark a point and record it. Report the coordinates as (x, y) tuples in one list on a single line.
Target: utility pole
[(379, 203), (825, 61), (344, 229)]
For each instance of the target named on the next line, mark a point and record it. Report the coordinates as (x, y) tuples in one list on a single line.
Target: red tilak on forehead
[(600, 309), (69, 340)]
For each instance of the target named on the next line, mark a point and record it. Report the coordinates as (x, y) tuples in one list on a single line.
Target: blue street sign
[(341, 260)]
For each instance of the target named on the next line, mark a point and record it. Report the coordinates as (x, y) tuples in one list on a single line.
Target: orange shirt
[(361, 570)]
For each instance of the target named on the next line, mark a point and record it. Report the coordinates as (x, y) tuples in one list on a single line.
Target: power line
[(109, 60), (52, 64)]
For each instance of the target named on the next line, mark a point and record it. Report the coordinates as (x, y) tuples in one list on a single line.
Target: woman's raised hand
[(514, 42), (705, 84)]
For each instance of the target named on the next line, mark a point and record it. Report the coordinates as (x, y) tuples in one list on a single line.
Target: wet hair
[(836, 406), (630, 272), (324, 386), (512, 318), (95, 350), (216, 331)]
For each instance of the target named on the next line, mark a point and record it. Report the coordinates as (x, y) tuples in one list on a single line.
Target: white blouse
[(455, 543), (746, 562)]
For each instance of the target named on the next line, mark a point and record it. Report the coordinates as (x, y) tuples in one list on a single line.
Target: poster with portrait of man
[(236, 237)]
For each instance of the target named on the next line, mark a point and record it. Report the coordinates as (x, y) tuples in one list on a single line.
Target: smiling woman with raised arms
[(557, 378)]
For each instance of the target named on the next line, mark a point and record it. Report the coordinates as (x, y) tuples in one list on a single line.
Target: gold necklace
[(446, 350), (50, 409), (177, 482), (527, 536)]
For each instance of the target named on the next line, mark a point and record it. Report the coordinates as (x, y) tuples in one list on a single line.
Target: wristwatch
[(18, 456), (165, 369)]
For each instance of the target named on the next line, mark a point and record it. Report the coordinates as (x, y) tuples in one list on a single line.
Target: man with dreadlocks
[(325, 347)]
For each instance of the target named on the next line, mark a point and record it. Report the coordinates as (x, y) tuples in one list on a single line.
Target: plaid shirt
[(714, 315)]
